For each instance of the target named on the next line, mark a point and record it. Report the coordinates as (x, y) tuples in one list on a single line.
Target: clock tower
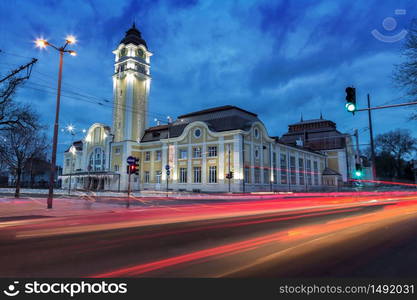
[(131, 83)]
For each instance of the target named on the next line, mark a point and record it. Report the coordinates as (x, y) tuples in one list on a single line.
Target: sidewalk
[(25, 208)]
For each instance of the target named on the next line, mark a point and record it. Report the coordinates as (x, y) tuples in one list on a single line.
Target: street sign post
[(131, 160)]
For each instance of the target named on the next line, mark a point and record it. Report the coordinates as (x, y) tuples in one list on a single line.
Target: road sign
[(131, 160), (168, 172), (167, 167)]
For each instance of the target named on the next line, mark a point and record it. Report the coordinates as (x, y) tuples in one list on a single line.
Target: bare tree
[(20, 144), (399, 144), (405, 74), (12, 114)]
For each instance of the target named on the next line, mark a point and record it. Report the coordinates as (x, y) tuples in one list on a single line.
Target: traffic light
[(350, 99), (136, 167), (358, 171), (229, 175)]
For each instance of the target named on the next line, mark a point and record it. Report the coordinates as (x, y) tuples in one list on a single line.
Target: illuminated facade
[(200, 148)]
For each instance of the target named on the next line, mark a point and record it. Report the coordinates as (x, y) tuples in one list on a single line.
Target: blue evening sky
[(279, 59)]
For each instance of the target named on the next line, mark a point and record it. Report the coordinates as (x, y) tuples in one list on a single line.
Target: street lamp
[(42, 43)]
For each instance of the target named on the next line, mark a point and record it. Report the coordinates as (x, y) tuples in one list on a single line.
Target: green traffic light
[(358, 174), (350, 107)]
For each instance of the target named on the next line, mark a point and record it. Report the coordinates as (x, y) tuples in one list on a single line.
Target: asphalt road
[(365, 239)]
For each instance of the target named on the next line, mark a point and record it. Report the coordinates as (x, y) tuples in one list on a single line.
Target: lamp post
[(41, 43)]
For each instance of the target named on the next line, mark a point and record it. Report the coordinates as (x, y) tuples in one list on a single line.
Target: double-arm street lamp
[(41, 43)]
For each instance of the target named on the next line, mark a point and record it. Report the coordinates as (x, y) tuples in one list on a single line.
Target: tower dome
[(133, 36)]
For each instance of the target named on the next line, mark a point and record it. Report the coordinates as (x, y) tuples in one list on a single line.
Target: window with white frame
[(147, 177), (275, 167), (97, 160), (182, 154), (117, 150), (293, 175), (301, 171), (256, 152), (266, 175), (197, 174), (158, 155), (257, 176), (158, 176), (247, 175), (316, 173), (116, 168), (147, 155), (212, 151), (183, 175), (284, 169), (67, 162), (196, 152), (213, 174), (308, 170)]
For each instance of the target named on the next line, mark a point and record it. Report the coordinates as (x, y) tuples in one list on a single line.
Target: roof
[(216, 109), (133, 36), (328, 171), (78, 146)]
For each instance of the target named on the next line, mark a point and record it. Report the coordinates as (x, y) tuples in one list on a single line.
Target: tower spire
[(321, 115), (301, 119)]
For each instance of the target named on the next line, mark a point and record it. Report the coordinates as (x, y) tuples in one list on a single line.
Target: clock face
[(140, 53)]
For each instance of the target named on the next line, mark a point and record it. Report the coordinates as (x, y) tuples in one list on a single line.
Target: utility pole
[(357, 146), (21, 68), (128, 188), (371, 135)]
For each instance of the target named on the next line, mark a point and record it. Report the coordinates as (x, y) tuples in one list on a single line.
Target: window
[(67, 162), (247, 175), (197, 132), (158, 176), (274, 167), (256, 133), (212, 151), (257, 152), (147, 156), (117, 150), (308, 170), (293, 175), (316, 173), (197, 175), (116, 168), (196, 152), (158, 155), (147, 177), (257, 175), (183, 175), (213, 174), (284, 169), (97, 160), (182, 154), (301, 171), (266, 175)]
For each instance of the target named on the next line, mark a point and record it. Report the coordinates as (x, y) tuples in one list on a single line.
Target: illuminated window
[(212, 151), (158, 176), (158, 155), (146, 177), (197, 174), (182, 154), (196, 152), (212, 174)]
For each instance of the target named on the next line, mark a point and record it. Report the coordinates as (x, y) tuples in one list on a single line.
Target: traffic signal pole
[(128, 188), (371, 136)]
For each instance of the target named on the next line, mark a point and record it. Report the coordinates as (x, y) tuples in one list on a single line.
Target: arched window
[(97, 160)]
